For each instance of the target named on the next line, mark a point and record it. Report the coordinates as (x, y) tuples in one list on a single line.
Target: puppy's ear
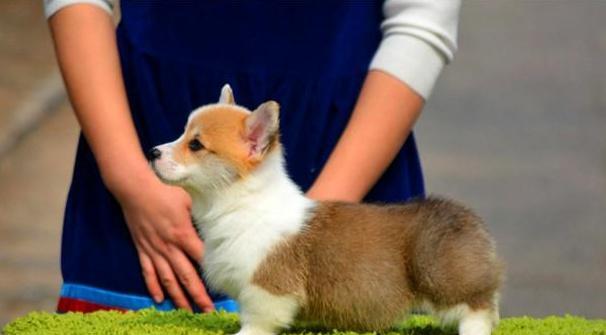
[(227, 95), (262, 128)]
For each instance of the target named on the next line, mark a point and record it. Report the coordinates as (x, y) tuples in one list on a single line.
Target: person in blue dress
[(351, 78)]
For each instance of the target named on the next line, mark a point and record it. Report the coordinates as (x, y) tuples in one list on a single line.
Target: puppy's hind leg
[(470, 321), (263, 313), (482, 320), (477, 322)]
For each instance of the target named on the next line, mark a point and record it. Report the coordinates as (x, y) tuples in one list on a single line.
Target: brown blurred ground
[(26, 54), (516, 128), (33, 174), (33, 186)]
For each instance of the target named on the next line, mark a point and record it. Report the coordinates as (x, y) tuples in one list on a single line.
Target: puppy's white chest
[(241, 228), (234, 250), (223, 273)]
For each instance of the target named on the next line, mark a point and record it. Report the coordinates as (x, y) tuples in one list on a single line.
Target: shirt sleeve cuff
[(53, 6), (411, 60)]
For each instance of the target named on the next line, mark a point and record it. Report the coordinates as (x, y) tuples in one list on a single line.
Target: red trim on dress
[(75, 305)]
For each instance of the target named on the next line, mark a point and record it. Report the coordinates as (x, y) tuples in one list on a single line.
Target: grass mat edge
[(151, 321)]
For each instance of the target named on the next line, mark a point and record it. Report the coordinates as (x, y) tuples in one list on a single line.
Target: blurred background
[(516, 128)]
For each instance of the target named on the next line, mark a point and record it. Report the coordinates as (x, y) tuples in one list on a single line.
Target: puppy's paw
[(476, 323)]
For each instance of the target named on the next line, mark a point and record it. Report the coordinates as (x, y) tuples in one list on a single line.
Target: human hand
[(159, 221)]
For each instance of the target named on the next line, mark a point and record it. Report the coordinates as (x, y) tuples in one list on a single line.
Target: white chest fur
[(240, 225)]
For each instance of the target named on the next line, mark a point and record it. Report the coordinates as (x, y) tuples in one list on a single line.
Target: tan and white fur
[(282, 255)]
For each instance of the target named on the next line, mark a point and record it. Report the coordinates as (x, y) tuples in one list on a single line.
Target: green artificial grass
[(150, 321)]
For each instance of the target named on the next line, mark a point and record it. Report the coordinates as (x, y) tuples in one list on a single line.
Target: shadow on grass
[(227, 323)]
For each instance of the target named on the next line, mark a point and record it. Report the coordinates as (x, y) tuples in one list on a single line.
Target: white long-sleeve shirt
[(419, 38)]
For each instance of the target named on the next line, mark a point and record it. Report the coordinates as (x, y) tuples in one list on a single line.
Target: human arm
[(419, 38), (382, 119), (158, 217)]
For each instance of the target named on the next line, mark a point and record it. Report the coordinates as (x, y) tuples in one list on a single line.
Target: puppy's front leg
[(262, 313)]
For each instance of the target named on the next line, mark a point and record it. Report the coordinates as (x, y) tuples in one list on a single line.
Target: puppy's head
[(222, 144)]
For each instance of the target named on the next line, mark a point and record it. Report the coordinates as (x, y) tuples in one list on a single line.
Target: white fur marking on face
[(166, 167)]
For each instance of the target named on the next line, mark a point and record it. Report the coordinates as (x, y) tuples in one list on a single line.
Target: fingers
[(187, 276), (187, 238), (190, 279), (164, 241), (192, 245), (150, 277), (170, 283)]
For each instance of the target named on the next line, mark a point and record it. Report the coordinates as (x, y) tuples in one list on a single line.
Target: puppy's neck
[(267, 191)]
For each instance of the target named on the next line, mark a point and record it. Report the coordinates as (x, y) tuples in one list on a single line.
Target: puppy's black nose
[(154, 154)]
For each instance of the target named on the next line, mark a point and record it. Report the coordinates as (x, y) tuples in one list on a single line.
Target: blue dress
[(312, 57)]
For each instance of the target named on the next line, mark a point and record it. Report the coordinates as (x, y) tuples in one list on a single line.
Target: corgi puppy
[(281, 255)]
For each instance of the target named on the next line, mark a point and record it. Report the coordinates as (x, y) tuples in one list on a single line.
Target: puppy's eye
[(195, 145)]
